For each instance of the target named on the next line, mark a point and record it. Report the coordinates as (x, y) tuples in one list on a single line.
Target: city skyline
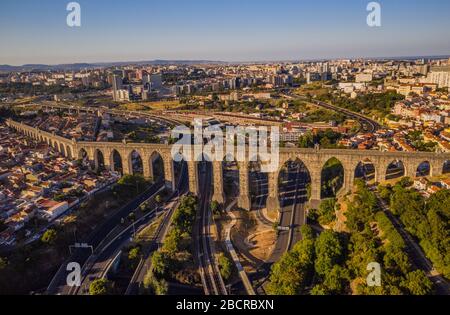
[(38, 34)]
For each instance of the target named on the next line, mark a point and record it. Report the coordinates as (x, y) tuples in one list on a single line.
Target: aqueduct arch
[(117, 155)]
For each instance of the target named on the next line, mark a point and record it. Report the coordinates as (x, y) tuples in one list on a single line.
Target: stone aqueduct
[(313, 159)]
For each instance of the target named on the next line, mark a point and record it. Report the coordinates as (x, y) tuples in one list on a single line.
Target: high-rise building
[(363, 77), (441, 78), (156, 81), (117, 85)]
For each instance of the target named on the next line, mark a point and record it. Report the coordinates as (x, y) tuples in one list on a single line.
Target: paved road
[(98, 264), (367, 124), (415, 252), (146, 262), (58, 283)]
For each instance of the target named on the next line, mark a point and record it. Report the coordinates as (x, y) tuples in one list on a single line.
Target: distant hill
[(81, 66)]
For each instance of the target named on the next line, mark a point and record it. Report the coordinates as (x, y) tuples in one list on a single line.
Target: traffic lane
[(81, 256), (111, 250)]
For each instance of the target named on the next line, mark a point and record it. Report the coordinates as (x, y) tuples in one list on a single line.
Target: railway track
[(212, 280)]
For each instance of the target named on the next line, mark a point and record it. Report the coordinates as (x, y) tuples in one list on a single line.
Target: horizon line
[(143, 61)]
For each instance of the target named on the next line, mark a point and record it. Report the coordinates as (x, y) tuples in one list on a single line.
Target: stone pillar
[(273, 201), (168, 172), (437, 168), (107, 159), (244, 200), (411, 169), (315, 172), (381, 167), (146, 167), (349, 177), (193, 180), (126, 163), (149, 170), (218, 195), (91, 158)]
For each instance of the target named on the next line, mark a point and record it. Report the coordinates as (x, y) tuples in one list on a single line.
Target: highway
[(146, 262), (99, 263), (58, 283), (212, 281), (292, 214), (367, 125), (293, 198)]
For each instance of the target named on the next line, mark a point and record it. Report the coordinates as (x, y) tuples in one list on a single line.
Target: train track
[(259, 200), (212, 280), (294, 210)]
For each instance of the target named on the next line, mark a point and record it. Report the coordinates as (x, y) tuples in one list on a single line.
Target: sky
[(228, 30)]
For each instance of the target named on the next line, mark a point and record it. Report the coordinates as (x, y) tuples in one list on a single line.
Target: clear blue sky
[(35, 31)]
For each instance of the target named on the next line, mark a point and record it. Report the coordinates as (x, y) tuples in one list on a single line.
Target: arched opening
[(395, 170), (293, 183), (230, 176), (446, 167), (258, 185), (181, 174), (157, 167), (69, 152), (424, 169), (82, 155), (332, 178), (84, 159), (62, 149), (99, 161), (365, 170), (116, 162), (204, 174), (136, 165)]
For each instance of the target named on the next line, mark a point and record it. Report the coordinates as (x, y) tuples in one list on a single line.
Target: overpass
[(119, 155)]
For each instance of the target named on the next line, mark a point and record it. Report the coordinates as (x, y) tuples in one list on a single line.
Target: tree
[(336, 280), (214, 206), (135, 183), (319, 289), (49, 237), (134, 253), (158, 199), (307, 232), (225, 266), (144, 207), (159, 263), (3, 263), (306, 141), (292, 273), (326, 212), (100, 287), (329, 252), (155, 285), (418, 283)]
